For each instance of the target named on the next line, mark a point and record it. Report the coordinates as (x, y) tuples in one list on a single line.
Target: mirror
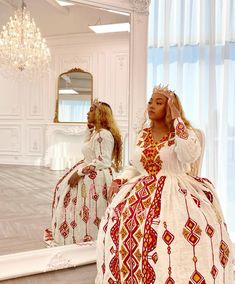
[(74, 96), (28, 115)]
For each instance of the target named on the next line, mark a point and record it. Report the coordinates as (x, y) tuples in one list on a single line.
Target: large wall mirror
[(74, 96), (91, 78)]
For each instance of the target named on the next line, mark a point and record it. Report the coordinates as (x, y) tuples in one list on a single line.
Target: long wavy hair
[(168, 120), (104, 119)]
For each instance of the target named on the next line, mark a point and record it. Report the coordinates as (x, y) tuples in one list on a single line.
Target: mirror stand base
[(45, 260)]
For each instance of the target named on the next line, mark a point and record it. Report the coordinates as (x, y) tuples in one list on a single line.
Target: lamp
[(22, 49), (111, 28)]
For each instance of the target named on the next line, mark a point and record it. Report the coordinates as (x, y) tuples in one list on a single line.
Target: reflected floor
[(25, 206)]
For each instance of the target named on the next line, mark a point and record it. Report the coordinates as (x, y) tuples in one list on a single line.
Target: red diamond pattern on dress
[(67, 199), (92, 175), (95, 196), (84, 213), (190, 224), (210, 230), (224, 253), (155, 257), (100, 158), (150, 235), (197, 278), (168, 237), (99, 139), (144, 193), (192, 231), (170, 281), (73, 224), (148, 180), (97, 221), (87, 238), (64, 229), (193, 239), (214, 271)]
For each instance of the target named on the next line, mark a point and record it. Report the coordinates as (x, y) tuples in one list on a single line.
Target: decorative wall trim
[(140, 6), (14, 142), (35, 139)]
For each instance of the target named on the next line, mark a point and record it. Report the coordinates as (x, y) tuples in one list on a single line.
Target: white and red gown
[(164, 226), (77, 212)]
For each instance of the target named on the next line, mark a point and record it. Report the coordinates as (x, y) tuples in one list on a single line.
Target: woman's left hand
[(174, 111), (113, 189), (88, 169), (74, 179)]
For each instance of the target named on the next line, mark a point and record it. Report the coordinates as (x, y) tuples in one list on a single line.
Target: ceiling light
[(22, 49), (111, 28), (68, 92), (64, 3)]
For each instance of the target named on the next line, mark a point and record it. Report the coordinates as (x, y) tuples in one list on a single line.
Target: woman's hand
[(90, 125), (74, 179), (88, 169), (113, 189), (174, 111)]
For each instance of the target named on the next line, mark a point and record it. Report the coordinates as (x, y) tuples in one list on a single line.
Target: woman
[(80, 196), (164, 226)]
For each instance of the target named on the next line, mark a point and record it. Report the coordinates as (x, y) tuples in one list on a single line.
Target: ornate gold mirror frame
[(67, 82)]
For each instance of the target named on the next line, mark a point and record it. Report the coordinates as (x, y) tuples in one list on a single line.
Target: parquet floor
[(25, 206)]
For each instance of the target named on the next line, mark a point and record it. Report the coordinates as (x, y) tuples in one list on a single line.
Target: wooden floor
[(25, 206)]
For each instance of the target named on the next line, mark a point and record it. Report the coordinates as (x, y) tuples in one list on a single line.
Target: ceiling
[(53, 19)]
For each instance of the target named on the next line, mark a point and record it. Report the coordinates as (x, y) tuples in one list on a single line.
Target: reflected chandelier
[(22, 48)]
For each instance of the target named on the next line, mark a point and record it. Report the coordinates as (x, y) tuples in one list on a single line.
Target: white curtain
[(73, 110), (192, 48)]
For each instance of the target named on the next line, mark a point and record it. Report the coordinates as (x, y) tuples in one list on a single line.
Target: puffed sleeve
[(103, 145), (128, 173), (187, 145)]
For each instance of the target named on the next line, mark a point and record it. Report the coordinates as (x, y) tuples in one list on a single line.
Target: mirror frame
[(73, 70), (43, 260)]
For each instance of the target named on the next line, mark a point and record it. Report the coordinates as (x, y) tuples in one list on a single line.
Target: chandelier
[(22, 49)]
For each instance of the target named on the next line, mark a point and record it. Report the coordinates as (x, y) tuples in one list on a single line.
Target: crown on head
[(162, 89), (96, 103)]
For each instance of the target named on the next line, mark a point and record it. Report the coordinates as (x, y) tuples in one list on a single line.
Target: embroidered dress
[(77, 212), (164, 226)]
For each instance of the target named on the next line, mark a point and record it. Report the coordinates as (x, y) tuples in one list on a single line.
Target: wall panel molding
[(10, 142), (35, 134), (31, 105)]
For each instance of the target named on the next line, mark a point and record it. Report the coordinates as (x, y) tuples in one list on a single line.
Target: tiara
[(162, 89), (96, 103)]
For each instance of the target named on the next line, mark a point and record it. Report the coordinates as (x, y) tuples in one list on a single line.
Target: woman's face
[(91, 114), (157, 106)]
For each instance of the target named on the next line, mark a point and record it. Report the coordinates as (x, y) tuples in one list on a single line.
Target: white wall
[(27, 107)]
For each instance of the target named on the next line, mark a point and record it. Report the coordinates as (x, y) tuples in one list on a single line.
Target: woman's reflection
[(80, 196)]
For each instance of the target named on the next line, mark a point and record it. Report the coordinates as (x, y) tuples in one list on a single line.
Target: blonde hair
[(104, 120), (164, 90)]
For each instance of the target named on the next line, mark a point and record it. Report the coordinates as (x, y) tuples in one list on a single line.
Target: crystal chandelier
[(22, 49)]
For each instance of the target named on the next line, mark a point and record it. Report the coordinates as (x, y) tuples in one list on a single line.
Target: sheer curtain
[(192, 48), (73, 110)]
